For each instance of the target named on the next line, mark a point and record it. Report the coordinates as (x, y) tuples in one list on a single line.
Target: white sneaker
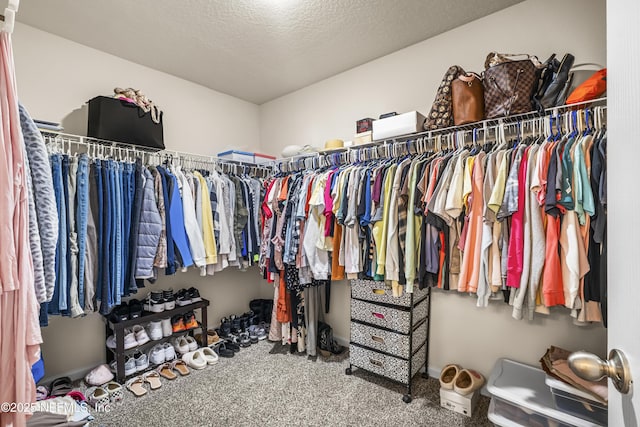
[(169, 352), (141, 336), (142, 362), (130, 366), (193, 344), (156, 354), (167, 330), (129, 339), (181, 345), (155, 330)]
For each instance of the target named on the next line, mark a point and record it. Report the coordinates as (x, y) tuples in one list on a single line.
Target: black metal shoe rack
[(389, 335)]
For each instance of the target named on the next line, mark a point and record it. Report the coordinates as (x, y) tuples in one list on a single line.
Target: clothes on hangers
[(523, 223), (119, 222)]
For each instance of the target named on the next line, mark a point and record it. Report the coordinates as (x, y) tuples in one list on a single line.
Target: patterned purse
[(441, 114), (509, 84)]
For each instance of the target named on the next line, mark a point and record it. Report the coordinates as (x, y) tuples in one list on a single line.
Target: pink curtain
[(19, 327)]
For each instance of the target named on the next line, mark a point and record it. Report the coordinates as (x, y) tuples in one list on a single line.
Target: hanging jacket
[(149, 229), (45, 202)]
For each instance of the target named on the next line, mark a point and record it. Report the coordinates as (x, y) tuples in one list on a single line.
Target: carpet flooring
[(265, 385)]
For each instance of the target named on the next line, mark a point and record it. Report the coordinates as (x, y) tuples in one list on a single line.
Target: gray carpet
[(264, 385)]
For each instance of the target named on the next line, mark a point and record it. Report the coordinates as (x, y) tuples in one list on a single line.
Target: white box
[(401, 124), (240, 156), (458, 403), (363, 138)]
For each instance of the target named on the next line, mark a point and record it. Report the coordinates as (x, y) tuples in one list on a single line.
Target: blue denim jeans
[(65, 298), (126, 225), (82, 209), (105, 259), (97, 165), (119, 283), (61, 248)]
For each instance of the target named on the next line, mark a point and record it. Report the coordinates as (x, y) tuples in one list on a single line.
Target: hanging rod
[(434, 134), (86, 141)]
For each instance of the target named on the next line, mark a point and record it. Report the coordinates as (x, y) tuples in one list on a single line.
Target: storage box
[(401, 124), (240, 156), (521, 396), (363, 138), (260, 159), (113, 119), (576, 402), (457, 403), (364, 125)]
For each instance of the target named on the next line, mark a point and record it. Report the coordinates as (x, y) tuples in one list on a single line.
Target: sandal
[(115, 391), (166, 371), (61, 386), (223, 351), (181, 367), (153, 378), (136, 386), (98, 397), (209, 355)]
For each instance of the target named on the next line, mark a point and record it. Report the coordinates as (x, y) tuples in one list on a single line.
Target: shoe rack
[(117, 329)]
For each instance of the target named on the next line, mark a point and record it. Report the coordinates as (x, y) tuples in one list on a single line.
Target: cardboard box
[(363, 138), (457, 403), (401, 124)]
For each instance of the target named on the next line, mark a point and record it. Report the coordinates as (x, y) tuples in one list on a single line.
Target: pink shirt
[(515, 257)]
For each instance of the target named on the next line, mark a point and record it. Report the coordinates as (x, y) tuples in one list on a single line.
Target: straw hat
[(333, 144)]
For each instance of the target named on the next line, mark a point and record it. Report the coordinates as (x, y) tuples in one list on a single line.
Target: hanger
[(9, 16)]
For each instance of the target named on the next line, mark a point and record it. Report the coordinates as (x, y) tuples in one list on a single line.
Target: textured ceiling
[(255, 50)]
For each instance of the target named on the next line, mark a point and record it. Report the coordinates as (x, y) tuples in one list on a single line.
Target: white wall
[(407, 80), (55, 77)]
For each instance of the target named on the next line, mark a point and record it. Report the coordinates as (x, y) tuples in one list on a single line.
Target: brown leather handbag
[(467, 95), (509, 85)]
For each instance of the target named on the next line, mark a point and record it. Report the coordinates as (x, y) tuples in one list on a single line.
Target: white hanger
[(10, 16)]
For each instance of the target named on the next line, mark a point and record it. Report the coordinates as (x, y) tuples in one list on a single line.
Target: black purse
[(117, 120)]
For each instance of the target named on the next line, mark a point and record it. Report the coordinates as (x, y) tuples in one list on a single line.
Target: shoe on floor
[(209, 355), (97, 397), (115, 391), (136, 386), (99, 375), (195, 360), (467, 381), (223, 351), (448, 376)]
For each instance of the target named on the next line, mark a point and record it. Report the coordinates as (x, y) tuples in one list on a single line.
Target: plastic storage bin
[(240, 156), (577, 402), (522, 398)]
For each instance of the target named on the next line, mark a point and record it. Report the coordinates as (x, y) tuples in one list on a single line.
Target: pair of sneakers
[(135, 363), (161, 353), (159, 329), (185, 344), (132, 338), (462, 381), (159, 301), (187, 296), (184, 322)]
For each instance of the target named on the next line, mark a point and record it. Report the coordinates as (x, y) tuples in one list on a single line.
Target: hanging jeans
[(136, 209), (128, 187), (82, 212), (65, 300), (53, 307), (105, 241), (119, 233), (74, 302)]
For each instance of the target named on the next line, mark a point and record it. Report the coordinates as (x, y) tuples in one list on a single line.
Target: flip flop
[(223, 351), (181, 367), (153, 378), (136, 386), (166, 371)]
